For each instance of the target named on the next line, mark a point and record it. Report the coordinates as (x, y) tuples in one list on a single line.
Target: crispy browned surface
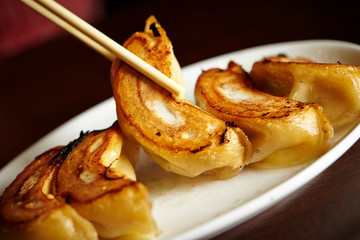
[(217, 85), (336, 87), (85, 162), (29, 210), (94, 177), (278, 128), (96, 182), (176, 134), (24, 200)]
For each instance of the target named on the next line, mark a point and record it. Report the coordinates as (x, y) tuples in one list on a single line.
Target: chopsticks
[(100, 42)]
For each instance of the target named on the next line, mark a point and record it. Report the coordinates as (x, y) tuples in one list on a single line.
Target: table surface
[(48, 85)]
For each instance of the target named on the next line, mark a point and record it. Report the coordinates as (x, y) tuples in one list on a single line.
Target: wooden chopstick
[(79, 28)]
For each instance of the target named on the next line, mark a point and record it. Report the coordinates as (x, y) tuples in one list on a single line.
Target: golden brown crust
[(175, 133), (322, 83), (272, 123), (82, 190), (217, 87), (101, 190), (29, 210), (85, 177), (23, 200)]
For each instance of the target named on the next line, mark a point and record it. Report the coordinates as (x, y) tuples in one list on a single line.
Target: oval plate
[(202, 207)]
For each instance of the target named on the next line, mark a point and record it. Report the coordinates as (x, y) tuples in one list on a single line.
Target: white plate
[(198, 208)]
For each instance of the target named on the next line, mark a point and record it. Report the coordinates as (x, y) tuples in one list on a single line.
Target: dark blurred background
[(47, 77)]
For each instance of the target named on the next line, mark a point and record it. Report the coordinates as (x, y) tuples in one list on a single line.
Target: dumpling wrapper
[(175, 133), (28, 209), (336, 87), (98, 181), (283, 132), (81, 191)]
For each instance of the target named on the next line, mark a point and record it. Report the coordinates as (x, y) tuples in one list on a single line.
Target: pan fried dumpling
[(283, 132), (98, 181), (176, 134), (84, 190), (29, 210), (336, 87)]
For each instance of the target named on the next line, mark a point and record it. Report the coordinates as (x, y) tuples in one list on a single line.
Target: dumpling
[(283, 132), (175, 133), (336, 87), (98, 181), (29, 210), (87, 188)]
